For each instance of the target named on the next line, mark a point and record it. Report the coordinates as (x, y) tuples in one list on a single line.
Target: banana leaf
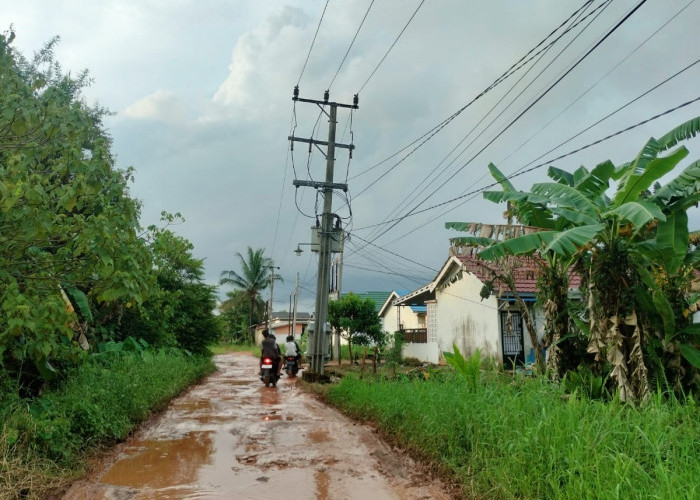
[(80, 300), (681, 192), (521, 245), (568, 243), (501, 178), (636, 182), (574, 217), (665, 311), (691, 354), (682, 132), (639, 213), (672, 236), (475, 241), (566, 197), (560, 176), (597, 181)]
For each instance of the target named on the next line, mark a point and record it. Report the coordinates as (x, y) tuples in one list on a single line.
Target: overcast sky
[(202, 92)]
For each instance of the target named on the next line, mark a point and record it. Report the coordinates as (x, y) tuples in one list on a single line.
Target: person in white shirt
[(291, 348)]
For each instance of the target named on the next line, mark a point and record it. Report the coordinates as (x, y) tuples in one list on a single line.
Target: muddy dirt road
[(233, 438)]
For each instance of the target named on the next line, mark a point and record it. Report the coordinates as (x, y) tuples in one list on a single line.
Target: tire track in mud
[(232, 438)]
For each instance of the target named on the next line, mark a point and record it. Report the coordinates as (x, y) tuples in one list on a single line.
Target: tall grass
[(47, 439), (521, 439)]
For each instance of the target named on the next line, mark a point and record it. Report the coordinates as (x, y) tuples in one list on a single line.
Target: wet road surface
[(232, 438)]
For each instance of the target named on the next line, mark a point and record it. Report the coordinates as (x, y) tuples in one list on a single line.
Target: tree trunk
[(250, 320)]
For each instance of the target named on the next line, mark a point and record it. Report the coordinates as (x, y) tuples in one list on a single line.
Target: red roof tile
[(525, 274)]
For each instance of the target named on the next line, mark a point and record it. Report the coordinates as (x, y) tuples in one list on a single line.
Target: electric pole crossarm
[(322, 143), (323, 185), (326, 103)]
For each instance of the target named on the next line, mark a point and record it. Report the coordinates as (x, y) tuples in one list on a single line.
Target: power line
[(422, 185), (585, 92), (313, 41), (539, 165), (415, 279), (629, 103), (351, 44), (514, 67), (392, 46), (535, 101), (395, 254)]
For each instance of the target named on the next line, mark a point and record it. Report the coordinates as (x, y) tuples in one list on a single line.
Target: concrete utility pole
[(318, 344), (296, 297), (270, 307)]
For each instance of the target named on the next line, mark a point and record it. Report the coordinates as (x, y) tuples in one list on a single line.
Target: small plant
[(584, 382), (393, 354), (469, 368)]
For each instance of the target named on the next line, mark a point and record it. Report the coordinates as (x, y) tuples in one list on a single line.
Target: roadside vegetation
[(504, 436), (102, 321), (612, 410)]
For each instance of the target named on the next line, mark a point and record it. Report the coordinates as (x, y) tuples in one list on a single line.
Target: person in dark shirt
[(270, 349)]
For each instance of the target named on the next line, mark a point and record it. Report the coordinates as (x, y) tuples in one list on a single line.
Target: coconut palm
[(253, 278)]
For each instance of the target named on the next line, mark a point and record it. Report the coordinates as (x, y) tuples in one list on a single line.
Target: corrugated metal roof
[(378, 297)]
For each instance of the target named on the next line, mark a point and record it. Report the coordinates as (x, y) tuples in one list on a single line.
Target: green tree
[(179, 310), (67, 220), (235, 311), (356, 320), (253, 278)]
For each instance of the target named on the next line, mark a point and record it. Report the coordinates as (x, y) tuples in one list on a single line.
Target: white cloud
[(162, 105)]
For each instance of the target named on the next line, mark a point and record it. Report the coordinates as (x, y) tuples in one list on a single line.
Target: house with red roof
[(460, 310)]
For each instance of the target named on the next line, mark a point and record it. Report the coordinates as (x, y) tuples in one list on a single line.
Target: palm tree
[(253, 278)]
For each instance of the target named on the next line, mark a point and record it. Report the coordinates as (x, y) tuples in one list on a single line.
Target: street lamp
[(299, 251)]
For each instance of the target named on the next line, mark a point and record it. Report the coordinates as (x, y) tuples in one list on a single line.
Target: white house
[(396, 318), (457, 313)]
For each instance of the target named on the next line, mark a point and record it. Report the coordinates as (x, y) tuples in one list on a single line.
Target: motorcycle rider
[(291, 348), (271, 350)]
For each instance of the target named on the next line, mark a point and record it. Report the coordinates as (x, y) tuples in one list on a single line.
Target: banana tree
[(619, 236), (544, 225)]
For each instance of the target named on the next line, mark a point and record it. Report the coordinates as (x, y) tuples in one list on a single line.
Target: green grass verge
[(47, 440), (226, 348), (521, 439)]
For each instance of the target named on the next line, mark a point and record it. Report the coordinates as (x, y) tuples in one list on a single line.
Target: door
[(512, 339)]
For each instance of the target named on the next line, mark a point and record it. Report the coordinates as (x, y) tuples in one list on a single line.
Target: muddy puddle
[(232, 438)]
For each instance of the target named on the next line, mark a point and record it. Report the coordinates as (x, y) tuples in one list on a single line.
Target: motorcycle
[(269, 373), (292, 367)]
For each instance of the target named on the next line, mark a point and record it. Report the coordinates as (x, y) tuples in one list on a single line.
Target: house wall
[(430, 352), (466, 320), (394, 315)]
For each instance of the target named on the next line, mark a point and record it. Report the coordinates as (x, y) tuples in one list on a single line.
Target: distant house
[(281, 325), (408, 319), (456, 313)]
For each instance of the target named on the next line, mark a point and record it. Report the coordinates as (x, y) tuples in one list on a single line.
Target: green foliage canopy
[(66, 219)]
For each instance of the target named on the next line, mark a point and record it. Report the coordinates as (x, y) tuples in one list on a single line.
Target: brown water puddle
[(232, 438)]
